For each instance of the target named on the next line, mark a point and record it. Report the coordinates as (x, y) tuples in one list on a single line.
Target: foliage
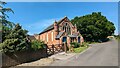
[(3, 10), (36, 45), (117, 37), (84, 44), (94, 27), (6, 25), (16, 40), (75, 44), (0, 26)]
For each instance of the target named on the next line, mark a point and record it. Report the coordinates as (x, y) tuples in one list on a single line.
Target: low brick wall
[(21, 57)]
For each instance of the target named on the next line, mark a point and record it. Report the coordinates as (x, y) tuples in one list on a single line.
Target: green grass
[(80, 49)]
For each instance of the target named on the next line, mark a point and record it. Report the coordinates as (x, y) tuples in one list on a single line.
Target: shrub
[(13, 45), (75, 44), (117, 37), (16, 40), (36, 45), (84, 44)]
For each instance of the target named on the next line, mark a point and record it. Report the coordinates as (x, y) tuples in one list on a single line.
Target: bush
[(84, 44), (15, 40), (13, 45), (117, 37), (75, 44), (36, 45)]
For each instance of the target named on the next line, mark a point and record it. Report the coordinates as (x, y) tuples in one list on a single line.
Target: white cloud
[(37, 27)]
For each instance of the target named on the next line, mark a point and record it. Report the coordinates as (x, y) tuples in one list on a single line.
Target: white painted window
[(52, 36), (47, 37)]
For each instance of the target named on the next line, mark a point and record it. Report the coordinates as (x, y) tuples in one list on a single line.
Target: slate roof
[(48, 28), (75, 34), (31, 37), (72, 36), (59, 35), (52, 26)]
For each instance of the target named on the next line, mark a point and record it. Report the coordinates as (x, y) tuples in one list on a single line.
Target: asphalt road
[(101, 54)]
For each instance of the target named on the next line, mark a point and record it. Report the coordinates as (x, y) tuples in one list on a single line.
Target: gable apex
[(52, 26)]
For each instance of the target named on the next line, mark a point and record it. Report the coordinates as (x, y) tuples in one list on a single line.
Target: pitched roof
[(59, 35), (72, 36), (52, 26), (31, 37), (48, 28)]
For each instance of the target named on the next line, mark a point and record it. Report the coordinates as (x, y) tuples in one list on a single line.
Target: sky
[(36, 16)]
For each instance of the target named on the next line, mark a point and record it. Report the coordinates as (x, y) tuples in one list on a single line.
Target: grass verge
[(80, 49)]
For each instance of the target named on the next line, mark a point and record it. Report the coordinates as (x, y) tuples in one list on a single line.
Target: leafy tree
[(94, 27), (6, 25), (16, 40)]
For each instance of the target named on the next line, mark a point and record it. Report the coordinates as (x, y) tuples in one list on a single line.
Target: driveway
[(101, 54)]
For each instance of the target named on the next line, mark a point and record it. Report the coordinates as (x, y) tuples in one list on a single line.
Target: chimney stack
[(55, 28)]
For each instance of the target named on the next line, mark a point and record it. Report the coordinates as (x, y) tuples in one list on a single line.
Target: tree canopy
[(94, 27), (14, 38), (6, 25)]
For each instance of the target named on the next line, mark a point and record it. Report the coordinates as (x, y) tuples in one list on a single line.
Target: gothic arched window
[(66, 28)]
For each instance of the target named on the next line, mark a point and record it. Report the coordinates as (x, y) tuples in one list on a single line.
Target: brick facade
[(59, 32)]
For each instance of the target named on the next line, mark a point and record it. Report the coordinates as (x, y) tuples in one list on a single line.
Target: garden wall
[(21, 57)]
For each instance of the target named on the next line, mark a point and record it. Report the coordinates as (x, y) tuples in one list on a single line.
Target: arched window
[(66, 28)]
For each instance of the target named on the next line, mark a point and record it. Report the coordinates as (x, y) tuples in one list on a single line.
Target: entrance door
[(64, 39), (78, 39)]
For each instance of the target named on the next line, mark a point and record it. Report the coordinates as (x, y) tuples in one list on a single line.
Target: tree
[(6, 25), (94, 27), (16, 40)]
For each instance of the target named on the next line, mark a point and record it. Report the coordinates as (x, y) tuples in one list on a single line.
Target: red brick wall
[(50, 41), (55, 33)]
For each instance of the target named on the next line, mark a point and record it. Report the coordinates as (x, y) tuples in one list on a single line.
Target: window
[(78, 39), (66, 28), (47, 37), (66, 24), (64, 39), (52, 36)]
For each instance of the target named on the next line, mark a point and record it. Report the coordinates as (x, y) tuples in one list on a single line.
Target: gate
[(53, 49)]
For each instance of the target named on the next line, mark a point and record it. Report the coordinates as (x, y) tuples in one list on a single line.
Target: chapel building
[(60, 32)]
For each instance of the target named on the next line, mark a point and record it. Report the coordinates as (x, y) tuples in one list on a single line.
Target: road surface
[(101, 54)]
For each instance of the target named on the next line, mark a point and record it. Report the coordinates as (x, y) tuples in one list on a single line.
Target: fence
[(53, 49)]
